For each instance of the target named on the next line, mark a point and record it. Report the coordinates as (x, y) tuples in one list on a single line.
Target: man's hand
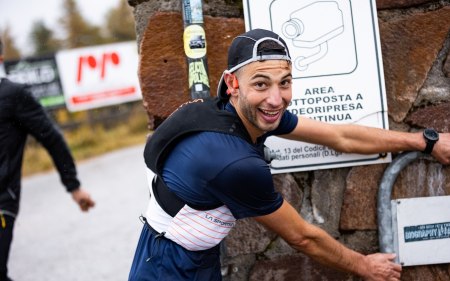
[(441, 150), (381, 267), (83, 199)]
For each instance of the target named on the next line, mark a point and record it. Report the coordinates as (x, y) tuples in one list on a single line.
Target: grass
[(90, 141)]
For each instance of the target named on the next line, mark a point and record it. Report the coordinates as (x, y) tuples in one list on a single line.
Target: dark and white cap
[(247, 48)]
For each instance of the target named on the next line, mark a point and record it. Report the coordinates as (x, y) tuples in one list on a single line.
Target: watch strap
[(431, 137), (429, 146)]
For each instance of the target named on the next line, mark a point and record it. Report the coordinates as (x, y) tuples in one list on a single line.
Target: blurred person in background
[(22, 115)]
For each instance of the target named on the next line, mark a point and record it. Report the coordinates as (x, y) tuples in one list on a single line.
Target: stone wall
[(415, 43)]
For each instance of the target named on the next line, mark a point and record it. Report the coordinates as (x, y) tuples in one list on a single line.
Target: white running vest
[(192, 229)]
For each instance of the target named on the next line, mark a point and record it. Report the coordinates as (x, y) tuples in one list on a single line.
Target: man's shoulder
[(9, 83), (218, 147), (225, 140), (214, 153), (8, 87)]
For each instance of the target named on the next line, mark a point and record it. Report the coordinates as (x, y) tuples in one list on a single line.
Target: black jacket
[(20, 115)]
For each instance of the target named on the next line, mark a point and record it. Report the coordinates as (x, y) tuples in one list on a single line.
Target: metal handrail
[(385, 231)]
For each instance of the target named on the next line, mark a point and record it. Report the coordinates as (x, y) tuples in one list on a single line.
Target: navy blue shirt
[(215, 168)]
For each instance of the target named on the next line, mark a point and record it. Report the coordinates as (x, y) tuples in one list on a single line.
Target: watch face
[(431, 134)]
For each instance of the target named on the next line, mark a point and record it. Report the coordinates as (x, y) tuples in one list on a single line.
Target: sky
[(19, 15)]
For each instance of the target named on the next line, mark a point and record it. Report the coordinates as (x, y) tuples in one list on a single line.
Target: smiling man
[(211, 170), (267, 89)]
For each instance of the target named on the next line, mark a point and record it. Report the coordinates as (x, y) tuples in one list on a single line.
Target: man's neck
[(253, 133)]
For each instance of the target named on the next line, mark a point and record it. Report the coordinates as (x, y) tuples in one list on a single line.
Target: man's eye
[(260, 85), (286, 83)]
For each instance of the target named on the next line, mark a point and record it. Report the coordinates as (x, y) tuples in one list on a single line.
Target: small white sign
[(422, 225), (337, 72), (99, 76)]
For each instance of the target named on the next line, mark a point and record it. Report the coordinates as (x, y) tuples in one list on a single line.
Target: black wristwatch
[(431, 137)]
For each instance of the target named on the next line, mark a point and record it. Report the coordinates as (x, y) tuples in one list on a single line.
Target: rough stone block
[(389, 4), (248, 237), (422, 178), (446, 66), (364, 242), (409, 47), (360, 199), (437, 116), (162, 64), (296, 267), (425, 273), (326, 198), (287, 186)]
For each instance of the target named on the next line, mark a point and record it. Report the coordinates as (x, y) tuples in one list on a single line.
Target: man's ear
[(232, 82), (229, 80), (235, 82)]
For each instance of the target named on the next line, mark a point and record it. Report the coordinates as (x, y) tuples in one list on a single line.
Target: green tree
[(10, 51), (120, 23), (80, 33), (43, 39)]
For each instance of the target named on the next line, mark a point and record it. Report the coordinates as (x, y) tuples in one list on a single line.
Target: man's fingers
[(391, 257), (397, 267), (85, 204)]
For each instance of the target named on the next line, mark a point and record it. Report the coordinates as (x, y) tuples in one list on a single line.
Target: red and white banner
[(99, 76)]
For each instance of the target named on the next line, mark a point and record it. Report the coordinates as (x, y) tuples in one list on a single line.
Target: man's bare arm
[(323, 248), (366, 140)]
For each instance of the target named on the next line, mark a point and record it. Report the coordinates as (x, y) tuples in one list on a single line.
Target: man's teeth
[(272, 113)]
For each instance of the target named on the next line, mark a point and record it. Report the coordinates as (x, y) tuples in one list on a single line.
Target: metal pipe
[(385, 231)]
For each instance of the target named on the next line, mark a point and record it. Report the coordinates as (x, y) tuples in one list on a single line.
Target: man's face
[(265, 91)]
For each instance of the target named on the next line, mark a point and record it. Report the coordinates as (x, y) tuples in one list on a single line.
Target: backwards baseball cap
[(254, 45)]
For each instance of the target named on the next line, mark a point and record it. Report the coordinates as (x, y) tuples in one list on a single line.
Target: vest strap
[(170, 202)]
